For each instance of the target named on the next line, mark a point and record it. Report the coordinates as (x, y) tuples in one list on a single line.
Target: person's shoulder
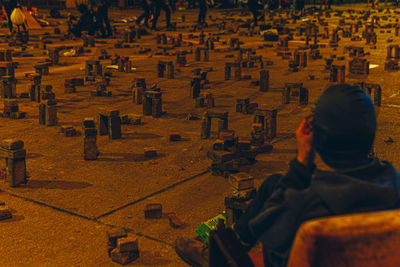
[(300, 197), (384, 166)]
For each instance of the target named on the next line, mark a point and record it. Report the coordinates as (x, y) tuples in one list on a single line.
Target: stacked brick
[(242, 192), (229, 153), (122, 248)]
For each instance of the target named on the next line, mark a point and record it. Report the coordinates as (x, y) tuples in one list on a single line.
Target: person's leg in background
[(167, 11), (9, 10), (99, 21), (202, 11), (172, 5), (253, 7), (156, 14), (255, 15), (106, 21), (145, 15)]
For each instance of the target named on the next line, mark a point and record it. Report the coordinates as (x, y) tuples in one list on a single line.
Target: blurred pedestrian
[(158, 5), (102, 18), (146, 6), (202, 11)]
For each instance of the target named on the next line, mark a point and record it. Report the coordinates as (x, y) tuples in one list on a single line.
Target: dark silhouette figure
[(146, 14), (253, 7), (202, 11), (86, 22), (158, 5), (102, 18)]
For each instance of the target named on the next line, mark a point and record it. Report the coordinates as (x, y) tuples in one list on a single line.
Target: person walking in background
[(202, 12), (172, 4), (146, 6), (86, 22), (102, 18), (253, 7), (158, 5)]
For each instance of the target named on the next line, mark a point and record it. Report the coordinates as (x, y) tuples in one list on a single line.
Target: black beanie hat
[(344, 126)]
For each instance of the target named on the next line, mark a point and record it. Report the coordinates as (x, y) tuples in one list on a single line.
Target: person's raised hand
[(304, 137)]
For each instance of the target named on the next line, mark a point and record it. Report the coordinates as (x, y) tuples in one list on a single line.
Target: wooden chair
[(358, 240), (364, 239)]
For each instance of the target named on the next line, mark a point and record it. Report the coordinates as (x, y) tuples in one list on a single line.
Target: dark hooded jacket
[(303, 194)]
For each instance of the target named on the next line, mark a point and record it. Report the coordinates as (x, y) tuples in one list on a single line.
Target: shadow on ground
[(65, 185), (141, 136), (127, 157)]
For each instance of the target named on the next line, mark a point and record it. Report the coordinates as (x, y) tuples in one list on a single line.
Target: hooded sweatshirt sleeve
[(298, 176), (270, 199), (276, 225)]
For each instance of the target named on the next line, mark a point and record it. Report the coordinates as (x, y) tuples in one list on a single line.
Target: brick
[(69, 89), (249, 109), (64, 128), (102, 124), (133, 119), (126, 244), (5, 212), (156, 108), (7, 109), (90, 151), (244, 145), (220, 156), (70, 132), (51, 115), (113, 235), (174, 221), (241, 181), (109, 112), (147, 106), (6, 64), (75, 81), (257, 127), (150, 152), (229, 144), (123, 257), (226, 135), (51, 102), (175, 137), (265, 148), (114, 127), (3, 176), (17, 115), (90, 132), (89, 122), (218, 145), (12, 144), (24, 95), (137, 95), (10, 103), (42, 114), (249, 154), (243, 194), (153, 211), (243, 101), (239, 107)]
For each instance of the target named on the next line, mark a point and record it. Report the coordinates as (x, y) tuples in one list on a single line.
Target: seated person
[(86, 22), (342, 132)]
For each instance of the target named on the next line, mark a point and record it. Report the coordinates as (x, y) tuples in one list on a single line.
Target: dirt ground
[(60, 217)]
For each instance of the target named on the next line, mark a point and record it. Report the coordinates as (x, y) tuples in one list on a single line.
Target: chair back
[(357, 240)]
